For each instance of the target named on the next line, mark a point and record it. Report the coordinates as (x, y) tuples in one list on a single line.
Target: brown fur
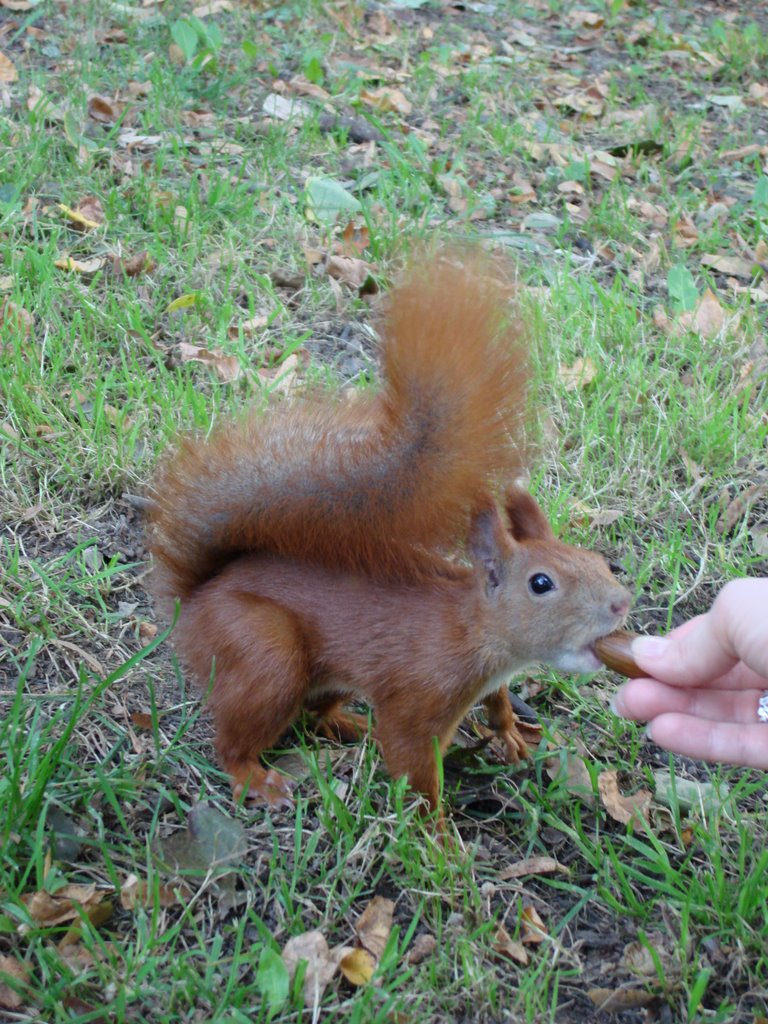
[(309, 547)]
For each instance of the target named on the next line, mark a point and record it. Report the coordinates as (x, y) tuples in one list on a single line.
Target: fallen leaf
[(626, 809), (532, 929), (732, 102), (227, 368), (709, 316), (509, 948), (322, 963), (615, 1000), (580, 373), (104, 111), (374, 925), (354, 240), (739, 506), (570, 768), (284, 108), (67, 904), (581, 18), (84, 267), (349, 271), (132, 266), (685, 232), (302, 87), (424, 946), (387, 100), (641, 960), (357, 966), (10, 999), (137, 892), (735, 265), (8, 72), (587, 516), (15, 318), (79, 218), (532, 866)]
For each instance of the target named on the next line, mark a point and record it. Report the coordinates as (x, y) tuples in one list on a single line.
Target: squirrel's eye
[(540, 583)]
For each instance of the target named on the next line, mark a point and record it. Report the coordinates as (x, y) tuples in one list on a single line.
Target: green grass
[(107, 751)]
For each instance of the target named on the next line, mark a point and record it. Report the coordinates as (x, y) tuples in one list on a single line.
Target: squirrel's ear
[(488, 544), (526, 520)]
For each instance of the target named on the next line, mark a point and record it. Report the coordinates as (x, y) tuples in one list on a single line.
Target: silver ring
[(762, 707)]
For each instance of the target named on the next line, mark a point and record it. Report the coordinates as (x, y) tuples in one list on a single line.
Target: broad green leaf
[(682, 288), (327, 200), (185, 37), (272, 977)]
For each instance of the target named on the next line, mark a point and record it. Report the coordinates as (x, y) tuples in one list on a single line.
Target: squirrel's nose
[(620, 607)]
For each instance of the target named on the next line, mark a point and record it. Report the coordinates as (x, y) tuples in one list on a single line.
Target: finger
[(644, 699), (711, 645), (722, 742)]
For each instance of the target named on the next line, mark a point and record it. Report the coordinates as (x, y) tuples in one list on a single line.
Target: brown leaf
[(15, 318), (132, 266), (142, 721), (532, 866), (532, 929), (348, 270), (227, 368), (354, 240), (616, 1000), (709, 315), (301, 87), (136, 892), (737, 509), (387, 99), (625, 809), (581, 18), (729, 265), (321, 961), (424, 946), (374, 925), (8, 72), (584, 514), (91, 209), (685, 232), (10, 999), (579, 374), (577, 779), (103, 110), (509, 948)]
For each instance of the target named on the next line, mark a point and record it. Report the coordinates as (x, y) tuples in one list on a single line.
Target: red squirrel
[(329, 549)]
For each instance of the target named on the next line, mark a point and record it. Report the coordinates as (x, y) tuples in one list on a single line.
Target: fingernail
[(649, 731), (616, 704), (649, 646)]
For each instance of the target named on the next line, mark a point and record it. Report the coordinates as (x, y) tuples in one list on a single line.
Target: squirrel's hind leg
[(261, 679), (334, 722)]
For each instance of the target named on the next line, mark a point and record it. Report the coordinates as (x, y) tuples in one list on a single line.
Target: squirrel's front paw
[(518, 741), (260, 786)]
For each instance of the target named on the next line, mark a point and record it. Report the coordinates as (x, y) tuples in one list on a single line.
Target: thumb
[(693, 655)]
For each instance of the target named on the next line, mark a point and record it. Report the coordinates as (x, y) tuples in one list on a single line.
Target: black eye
[(540, 583)]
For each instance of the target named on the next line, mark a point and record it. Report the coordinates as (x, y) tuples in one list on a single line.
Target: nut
[(615, 651)]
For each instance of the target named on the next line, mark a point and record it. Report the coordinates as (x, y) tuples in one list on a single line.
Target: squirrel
[(329, 549)]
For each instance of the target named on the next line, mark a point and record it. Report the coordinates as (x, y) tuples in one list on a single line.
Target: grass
[(108, 752)]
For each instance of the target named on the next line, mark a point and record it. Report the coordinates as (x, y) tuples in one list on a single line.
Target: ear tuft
[(526, 520)]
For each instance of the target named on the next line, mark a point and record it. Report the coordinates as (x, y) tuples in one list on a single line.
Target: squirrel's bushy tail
[(361, 484)]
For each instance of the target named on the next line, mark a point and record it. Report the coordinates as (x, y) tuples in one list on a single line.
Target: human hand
[(705, 680)]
